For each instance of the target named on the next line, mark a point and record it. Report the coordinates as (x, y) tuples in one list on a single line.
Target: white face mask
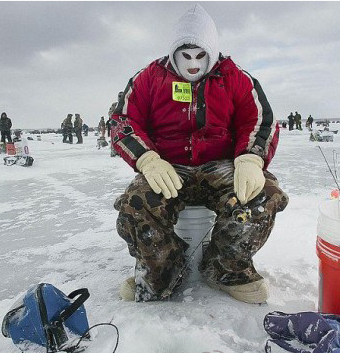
[(191, 63)]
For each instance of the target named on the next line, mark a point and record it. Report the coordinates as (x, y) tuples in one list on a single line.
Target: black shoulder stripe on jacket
[(262, 134), (127, 92)]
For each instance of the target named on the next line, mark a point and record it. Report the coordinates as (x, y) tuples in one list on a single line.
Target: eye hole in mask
[(199, 56)]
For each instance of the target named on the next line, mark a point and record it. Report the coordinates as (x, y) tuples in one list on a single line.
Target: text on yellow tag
[(181, 91)]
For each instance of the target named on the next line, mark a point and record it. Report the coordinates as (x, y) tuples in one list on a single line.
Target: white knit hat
[(196, 27)]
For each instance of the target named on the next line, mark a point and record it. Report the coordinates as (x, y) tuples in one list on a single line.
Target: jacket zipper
[(192, 98), (191, 116)]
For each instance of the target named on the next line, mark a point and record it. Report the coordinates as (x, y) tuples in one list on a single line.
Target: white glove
[(160, 174), (248, 177)]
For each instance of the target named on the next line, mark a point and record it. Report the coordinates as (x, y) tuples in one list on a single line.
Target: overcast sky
[(74, 57)]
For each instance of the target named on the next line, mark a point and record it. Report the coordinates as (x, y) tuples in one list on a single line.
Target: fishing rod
[(335, 177), (240, 214), (330, 170), (335, 163)]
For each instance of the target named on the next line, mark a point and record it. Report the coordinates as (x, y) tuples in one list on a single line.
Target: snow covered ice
[(58, 226)]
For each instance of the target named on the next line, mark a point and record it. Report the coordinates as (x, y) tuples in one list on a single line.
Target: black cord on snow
[(73, 349)]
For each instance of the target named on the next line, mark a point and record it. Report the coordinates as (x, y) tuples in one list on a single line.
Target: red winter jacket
[(229, 115)]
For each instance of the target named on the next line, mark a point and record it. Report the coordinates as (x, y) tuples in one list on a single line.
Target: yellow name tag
[(181, 91)]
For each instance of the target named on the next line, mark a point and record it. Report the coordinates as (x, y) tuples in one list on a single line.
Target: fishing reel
[(241, 214)]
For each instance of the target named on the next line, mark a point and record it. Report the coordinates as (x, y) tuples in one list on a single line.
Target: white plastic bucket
[(194, 224), (329, 221)]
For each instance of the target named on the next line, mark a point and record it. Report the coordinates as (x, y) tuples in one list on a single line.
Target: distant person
[(17, 134), (5, 128), (113, 152), (67, 128), (102, 127), (85, 130), (108, 123), (111, 110), (297, 119), (108, 127), (101, 141), (78, 124), (310, 122), (114, 105), (291, 121)]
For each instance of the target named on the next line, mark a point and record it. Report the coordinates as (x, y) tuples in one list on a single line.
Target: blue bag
[(43, 316)]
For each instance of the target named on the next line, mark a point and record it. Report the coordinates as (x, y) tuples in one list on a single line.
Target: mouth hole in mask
[(193, 71)]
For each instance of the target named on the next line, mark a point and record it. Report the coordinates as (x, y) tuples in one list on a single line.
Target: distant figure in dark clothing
[(78, 124), (284, 125), (5, 128), (108, 127), (297, 119), (108, 124), (310, 122), (67, 128), (291, 121), (114, 105), (85, 130)]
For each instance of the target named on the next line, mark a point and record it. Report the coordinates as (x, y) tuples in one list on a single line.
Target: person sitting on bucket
[(197, 128)]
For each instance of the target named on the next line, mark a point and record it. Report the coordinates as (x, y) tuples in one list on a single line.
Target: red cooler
[(328, 251), (10, 149)]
